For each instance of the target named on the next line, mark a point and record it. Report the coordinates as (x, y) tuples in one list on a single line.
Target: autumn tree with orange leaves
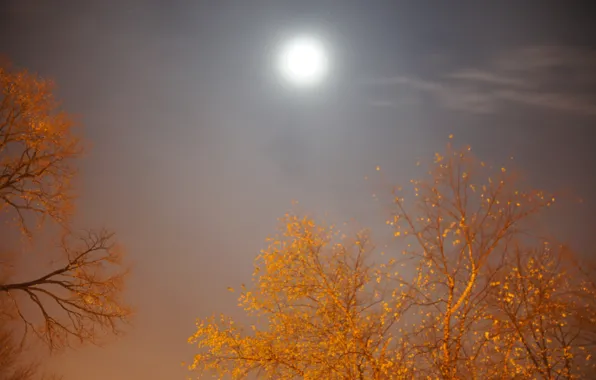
[(472, 292), (77, 298)]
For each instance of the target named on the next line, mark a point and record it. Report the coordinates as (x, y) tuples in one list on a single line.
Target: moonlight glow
[(303, 61)]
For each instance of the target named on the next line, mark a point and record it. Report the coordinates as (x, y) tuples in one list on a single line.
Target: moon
[(303, 61)]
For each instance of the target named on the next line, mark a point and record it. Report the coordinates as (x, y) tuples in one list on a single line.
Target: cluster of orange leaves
[(78, 295), (473, 294)]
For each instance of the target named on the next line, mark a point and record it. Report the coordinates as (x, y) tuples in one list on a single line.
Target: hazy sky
[(197, 148)]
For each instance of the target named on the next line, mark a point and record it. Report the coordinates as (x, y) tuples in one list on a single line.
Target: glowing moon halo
[(303, 61)]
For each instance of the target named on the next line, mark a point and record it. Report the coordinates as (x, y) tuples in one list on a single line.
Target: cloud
[(478, 76), (448, 95), (553, 101), (558, 79)]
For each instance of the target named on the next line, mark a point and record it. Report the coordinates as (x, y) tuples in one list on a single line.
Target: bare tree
[(15, 362), (79, 298), (11, 363)]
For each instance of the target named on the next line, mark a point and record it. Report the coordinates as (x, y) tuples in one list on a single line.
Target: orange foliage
[(36, 150), (81, 295), (476, 296)]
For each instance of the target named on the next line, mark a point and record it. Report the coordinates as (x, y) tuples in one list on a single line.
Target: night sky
[(197, 148)]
